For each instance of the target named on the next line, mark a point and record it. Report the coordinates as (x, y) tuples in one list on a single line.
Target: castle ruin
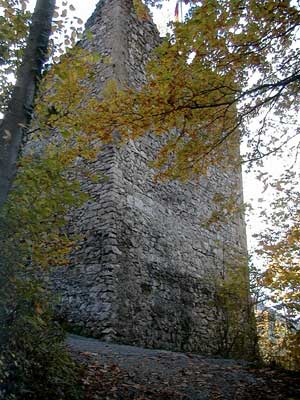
[(145, 271)]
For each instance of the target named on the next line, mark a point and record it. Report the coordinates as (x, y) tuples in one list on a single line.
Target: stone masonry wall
[(144, 273)]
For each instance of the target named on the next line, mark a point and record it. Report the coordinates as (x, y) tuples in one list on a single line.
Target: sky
[(84, 9)]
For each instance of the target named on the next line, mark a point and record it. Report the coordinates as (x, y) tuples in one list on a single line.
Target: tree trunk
[(20, 106)]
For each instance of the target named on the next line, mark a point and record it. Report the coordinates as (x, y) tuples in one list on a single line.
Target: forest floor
[(123, 372)]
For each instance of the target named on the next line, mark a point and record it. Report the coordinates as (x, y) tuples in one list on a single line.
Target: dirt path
[(127, 372)]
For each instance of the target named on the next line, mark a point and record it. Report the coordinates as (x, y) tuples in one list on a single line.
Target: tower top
[(125, 38)]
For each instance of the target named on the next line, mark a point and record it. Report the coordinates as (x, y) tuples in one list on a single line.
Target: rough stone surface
[(144, 272)]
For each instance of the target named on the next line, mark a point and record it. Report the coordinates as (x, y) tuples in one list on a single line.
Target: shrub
[(34, 362)]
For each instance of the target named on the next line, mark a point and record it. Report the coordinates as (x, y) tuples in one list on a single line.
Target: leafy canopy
[(14, 26), (228, 62)]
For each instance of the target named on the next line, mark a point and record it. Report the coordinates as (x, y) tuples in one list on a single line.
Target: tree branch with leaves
[(20, 106)]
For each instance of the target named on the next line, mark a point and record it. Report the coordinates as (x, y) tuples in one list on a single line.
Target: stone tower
[(145, 272)]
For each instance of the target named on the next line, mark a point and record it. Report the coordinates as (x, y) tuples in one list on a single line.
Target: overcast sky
[(84, 9)]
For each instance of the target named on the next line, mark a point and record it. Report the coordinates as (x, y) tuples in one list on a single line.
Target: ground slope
[(127, 372)]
